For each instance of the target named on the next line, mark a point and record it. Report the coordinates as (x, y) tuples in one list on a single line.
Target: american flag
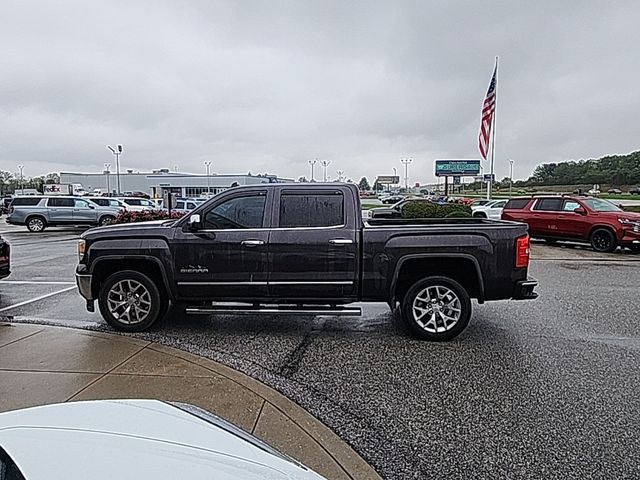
[(488, 109)]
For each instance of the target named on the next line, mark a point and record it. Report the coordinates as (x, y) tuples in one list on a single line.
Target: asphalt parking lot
[(547, 388)]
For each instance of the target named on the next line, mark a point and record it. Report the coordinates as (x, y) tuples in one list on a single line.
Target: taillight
[(522, 252), (10, 209)]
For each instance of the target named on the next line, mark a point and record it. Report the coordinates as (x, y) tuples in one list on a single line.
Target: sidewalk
[(44, 364)]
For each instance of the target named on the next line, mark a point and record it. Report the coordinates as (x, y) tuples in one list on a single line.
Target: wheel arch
[(605, 226), (461, 267), (107, 265)]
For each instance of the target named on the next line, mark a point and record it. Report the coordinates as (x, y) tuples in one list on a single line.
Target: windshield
[(599, 205)]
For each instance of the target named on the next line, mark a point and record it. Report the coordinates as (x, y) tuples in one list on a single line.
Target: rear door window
[(132, 201), (549, 204), (311, 210), (61, 202)]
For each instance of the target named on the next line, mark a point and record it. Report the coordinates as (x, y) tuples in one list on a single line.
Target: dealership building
[(157, 182)]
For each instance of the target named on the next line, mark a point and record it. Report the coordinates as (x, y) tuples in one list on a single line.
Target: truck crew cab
[(302, 249)]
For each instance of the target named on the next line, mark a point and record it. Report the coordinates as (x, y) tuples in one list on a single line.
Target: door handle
[(251, 243), (340, 241)]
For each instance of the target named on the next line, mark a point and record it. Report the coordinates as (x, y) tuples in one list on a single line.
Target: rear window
[(549, 204), (25, 201), (311, 210), (517, 203), (103, 202)]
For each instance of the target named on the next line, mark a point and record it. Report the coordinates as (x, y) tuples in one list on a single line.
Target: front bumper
[(524, 289), (84, 285)]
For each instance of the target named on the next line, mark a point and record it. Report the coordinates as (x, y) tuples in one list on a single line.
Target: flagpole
[(493, 133)]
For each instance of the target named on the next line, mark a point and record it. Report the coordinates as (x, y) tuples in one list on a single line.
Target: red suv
[(583, 219)]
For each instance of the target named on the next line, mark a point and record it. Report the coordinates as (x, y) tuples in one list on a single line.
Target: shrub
[(128, 216), (433, 210)]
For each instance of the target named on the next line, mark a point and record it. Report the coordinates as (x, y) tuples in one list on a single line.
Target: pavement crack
[(291, 364)]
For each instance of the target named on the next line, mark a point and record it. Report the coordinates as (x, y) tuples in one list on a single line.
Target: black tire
[(36, 224), (479, 215), (635, 248), (105, 219), (603, 240), (441, 296), (129, 287)]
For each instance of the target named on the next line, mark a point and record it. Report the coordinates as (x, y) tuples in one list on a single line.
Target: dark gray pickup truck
[(302, 249)]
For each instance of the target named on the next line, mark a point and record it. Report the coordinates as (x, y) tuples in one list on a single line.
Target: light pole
[(510, 176), (325, 164), (312, 163), (107, 166), (395, 174), (340, 175), (117, 152), (406, 162), (207, 164), (21, 167)]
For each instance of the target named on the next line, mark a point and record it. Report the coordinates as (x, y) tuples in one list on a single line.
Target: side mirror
[(580, 211), (195, 222), (92, 207)]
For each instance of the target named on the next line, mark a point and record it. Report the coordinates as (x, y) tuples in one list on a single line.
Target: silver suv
[(38, 213)]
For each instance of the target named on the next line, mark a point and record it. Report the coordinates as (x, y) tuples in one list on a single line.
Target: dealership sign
[(388, 179), (448, 168)]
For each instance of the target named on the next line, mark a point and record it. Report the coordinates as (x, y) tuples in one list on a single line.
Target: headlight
[(634, 224), (81, 247)]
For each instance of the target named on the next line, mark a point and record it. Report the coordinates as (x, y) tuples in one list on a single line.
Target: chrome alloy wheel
[(129, 301), (36, 225), (436, 309)]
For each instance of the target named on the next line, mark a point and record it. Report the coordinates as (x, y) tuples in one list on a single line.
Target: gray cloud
[(266, 86)]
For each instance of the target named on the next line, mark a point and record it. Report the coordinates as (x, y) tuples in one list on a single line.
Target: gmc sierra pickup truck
[(302, 249)]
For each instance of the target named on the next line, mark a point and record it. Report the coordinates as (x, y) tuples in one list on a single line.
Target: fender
[(465, 256)]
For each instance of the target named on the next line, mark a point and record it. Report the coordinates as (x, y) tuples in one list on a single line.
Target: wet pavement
[(547, 388)]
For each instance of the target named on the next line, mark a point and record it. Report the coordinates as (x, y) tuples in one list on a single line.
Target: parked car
[(140, 195), (480, 202), (113, 439), (39, 213), (108, 202), (394, 211), (634, 191), (582, 219), (391, 199), (5, 258), (302, 249), (138, 204), (491, 210), (615, 191)]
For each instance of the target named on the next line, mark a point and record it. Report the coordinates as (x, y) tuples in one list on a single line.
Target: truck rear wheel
[(130, 301), (436, 308)]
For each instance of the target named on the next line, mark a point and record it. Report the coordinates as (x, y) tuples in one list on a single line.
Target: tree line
[(10, 182), (610, 170)]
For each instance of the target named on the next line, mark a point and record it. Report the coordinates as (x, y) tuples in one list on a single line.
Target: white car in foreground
[(491, 210), (134, 439)]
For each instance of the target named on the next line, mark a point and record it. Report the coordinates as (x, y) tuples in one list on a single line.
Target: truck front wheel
[(436, 308), (130, 301)]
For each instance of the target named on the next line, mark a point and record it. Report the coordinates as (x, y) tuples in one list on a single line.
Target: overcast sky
[(265, 86)]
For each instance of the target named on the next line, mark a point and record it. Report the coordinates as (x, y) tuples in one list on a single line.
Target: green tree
[(364, 184)]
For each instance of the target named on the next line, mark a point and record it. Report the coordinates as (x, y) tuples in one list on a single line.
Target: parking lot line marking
[(32, 282), (41, 297)]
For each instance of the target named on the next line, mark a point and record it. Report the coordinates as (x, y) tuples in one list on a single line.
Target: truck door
[(313, 247), (60, 210), (573, 224), (544, 217), (84, 213), (227, 258)]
